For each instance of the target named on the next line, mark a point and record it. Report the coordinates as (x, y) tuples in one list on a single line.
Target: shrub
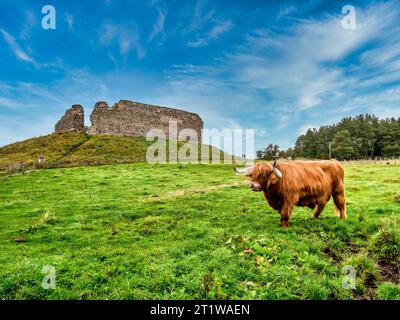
[(48, 218), (367, 270), (386, 242), (388, 291)]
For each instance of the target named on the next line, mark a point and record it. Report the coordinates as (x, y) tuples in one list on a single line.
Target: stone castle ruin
[(128, 118), (73, 120)]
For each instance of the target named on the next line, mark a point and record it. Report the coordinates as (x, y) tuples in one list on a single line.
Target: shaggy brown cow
[(299, 183)]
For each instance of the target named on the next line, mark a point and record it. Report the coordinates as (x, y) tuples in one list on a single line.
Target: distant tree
[(260, 154), (289, 153), (310, 144), (392, 149), (268, 153), (342, 146), (366, 137)]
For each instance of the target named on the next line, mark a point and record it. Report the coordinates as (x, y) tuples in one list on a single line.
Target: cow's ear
[(272, 179)]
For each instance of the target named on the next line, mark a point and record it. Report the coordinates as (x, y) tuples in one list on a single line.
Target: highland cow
[(298, 183)]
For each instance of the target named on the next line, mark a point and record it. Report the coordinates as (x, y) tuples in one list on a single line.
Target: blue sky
[(276, 66)]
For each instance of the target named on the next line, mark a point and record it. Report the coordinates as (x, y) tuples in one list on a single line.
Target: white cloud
[(24, 53), (200, 17), (219, 29), (205, 25), (115, 61), (69, 19), (28, 24), (28, 127), (216, 31), (37, 107), (301, 64), (20, 53), (126, 38), (384, 103), (9, 103), (304, 128), (272, 82), (158, 27), (285, 10), (261, 133), (283, 80)]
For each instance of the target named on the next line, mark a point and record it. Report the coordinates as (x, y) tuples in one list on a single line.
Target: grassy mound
[(76, 149), (55, 147)]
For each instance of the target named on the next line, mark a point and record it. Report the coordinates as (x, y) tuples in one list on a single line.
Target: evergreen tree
[(360, 137), (342, 147)]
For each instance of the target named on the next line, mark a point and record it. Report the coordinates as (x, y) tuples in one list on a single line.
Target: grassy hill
[(141, 231), (75, 149)]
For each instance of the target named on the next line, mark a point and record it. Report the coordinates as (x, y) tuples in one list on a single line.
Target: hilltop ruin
[(127, 118), (73, 120)]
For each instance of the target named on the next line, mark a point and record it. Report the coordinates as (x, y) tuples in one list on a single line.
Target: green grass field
[(139, 231)]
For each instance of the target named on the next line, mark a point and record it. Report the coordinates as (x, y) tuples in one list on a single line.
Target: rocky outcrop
[(73, 120), (128, 118)]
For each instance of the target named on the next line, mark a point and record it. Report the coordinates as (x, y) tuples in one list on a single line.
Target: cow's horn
[(277, 172), (246, 171)]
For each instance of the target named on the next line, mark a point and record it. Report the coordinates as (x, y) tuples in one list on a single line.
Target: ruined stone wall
[(129, 118), (73, 120)]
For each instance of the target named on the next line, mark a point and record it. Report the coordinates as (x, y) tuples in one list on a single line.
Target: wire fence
[(375, 161), (15, 168), (21, 167)]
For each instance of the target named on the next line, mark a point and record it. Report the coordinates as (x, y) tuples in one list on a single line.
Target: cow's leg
[(340, 203), (285, 212), (337, 211), (319, 208)]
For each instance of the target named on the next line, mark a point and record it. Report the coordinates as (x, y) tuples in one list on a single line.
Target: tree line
[(361, 137)]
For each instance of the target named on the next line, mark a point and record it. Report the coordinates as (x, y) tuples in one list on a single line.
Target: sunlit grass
[(139, 231)]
